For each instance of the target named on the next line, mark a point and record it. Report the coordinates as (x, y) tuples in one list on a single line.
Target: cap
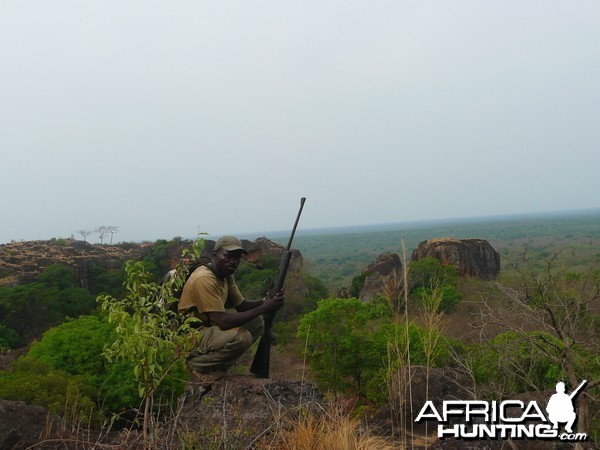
[(229, 243)]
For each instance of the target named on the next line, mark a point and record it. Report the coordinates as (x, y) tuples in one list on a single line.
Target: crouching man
[(230, 323)]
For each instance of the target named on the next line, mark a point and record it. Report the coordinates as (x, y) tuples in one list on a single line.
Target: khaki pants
[(219, 350)]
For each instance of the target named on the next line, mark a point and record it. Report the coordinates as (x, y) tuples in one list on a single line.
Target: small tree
[(344, 341), (149, 334), (101, 230), (112, 229), (84, 233), (554, 311)]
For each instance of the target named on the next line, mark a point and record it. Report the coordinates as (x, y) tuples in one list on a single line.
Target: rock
[(383, 274), (262, 247), (22, 425), (471, 257), (244, 408), (22, 262)]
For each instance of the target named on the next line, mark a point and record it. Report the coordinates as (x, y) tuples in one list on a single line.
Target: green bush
[(61, 393), (76, 347), (30, 309), (449, 297), (429, 279), (58, 276), (510, 363), (9, 338), (341, 338), (354, 345)]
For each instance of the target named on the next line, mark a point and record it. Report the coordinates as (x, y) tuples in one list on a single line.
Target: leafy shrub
[(9, 338), (429, 279), (428, 272), (58, 276), (76, 347), (357, 284), (449, 297), (353, 344), (510, 363), (37, 383)]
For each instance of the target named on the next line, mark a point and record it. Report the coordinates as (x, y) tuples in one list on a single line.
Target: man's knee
[(245, 339)]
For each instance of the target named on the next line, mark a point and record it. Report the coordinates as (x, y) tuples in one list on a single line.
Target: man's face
[(227, 262)]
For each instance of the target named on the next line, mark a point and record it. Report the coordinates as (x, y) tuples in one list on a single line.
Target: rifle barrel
[(289, 246)]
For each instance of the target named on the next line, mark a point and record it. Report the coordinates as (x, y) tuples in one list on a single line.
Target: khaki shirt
[(208, 293)]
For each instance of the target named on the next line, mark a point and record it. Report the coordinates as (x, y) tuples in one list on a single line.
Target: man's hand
[(273, 304)]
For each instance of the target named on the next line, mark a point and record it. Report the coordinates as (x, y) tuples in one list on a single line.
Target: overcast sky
[(165, 118)]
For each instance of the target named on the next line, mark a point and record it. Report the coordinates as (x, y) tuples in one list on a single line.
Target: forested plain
[(538, 322)]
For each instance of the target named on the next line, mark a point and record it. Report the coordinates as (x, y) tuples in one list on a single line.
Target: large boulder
[(380, 276), (471, 257)]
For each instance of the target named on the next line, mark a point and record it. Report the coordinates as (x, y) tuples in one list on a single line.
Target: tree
[(58, 276), (101, 230), (112, 229), (148, 333), (430, 280), (9, 338), (84, 233), (555, 312), (341, 338)]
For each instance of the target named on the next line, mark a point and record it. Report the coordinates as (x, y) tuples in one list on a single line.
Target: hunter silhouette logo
[(507, 419), (560, 407)]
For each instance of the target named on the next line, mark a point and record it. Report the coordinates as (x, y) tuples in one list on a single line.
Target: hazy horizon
[(367, 227)]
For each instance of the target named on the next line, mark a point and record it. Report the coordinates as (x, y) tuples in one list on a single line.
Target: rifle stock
[(262, 357)]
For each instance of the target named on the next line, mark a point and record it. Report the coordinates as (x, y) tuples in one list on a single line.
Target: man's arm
[(246, 311), (247, 305)]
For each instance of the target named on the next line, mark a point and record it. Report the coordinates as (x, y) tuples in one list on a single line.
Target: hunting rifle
[(262, 357)]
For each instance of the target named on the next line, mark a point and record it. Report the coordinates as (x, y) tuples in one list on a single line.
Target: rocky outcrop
[(381, 275), (471, 257), (22, 262), (263, 247)]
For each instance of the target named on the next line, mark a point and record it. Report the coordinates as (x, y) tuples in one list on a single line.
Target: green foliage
[(512, 363), (30, 309), (427, 272), (152, 337), (449, 297), (354, 344), (9, 338), (316, 291), (149, 335), (357, 284), (162, 254), (105, 281), (76, 347), (37, 383), (430, 280), (254, 282), (345, 341), (412, 346), (58, 276)]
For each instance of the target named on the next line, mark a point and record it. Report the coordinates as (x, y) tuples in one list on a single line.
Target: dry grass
[(331, 430)]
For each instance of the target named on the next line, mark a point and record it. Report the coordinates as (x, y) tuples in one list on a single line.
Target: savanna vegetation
[(101, 360)]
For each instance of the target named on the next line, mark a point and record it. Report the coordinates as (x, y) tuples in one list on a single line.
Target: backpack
[(186, 271)]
